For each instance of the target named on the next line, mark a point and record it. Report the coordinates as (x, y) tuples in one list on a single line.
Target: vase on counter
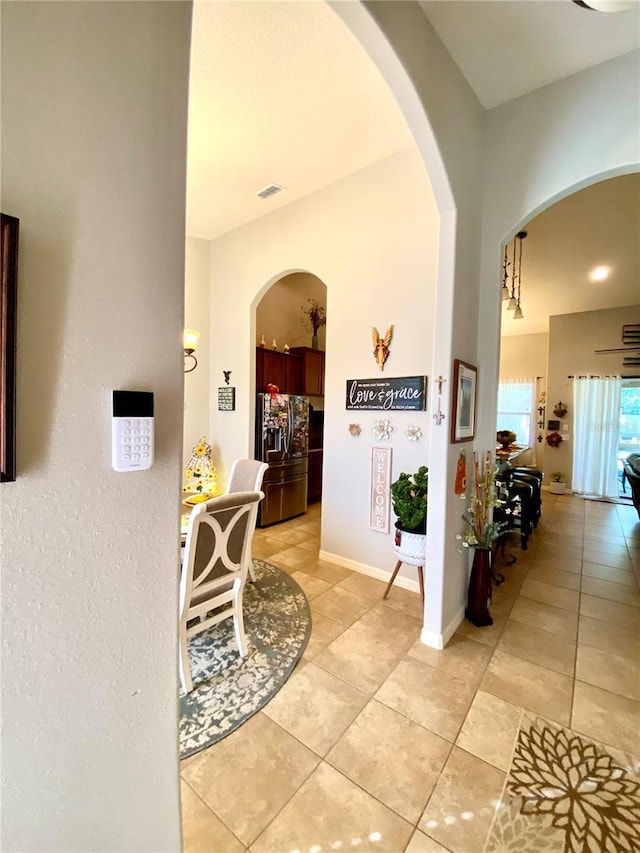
[(314, 342)]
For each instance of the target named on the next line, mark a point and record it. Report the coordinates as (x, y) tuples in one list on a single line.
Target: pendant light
[(513, 302), (505, 276), (518, 315)]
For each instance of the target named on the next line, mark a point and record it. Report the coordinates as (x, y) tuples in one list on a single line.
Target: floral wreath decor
[(554, 439)]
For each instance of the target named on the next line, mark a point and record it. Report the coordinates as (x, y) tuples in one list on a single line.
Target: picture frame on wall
[(463, 414), (8, 306)]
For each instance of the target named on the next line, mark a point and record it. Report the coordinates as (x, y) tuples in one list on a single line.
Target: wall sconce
[(190, 342)]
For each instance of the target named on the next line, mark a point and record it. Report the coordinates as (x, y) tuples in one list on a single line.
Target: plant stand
[(479, 594), (411, 549), (393, 577)]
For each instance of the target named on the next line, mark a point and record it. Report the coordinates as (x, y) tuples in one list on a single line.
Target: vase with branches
[(316, 316), (480, 532)]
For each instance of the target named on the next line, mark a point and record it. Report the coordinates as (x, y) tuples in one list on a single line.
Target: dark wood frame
[(461, 370), (8, 306)]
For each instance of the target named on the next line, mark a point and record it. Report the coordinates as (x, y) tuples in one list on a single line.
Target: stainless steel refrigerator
[(282, 440)]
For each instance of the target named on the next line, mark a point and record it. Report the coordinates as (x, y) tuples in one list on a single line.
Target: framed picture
[(463, 415), (8, 286)]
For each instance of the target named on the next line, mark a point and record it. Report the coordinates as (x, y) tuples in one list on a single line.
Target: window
[(515, 409)]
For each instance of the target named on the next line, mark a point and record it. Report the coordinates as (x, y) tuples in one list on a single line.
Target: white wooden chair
[(214, 569), (246, 476)]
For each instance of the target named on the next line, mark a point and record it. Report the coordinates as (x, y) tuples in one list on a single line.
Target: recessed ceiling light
[(600, 273)]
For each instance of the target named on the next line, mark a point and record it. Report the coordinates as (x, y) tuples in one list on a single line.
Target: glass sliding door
[(629, 432)]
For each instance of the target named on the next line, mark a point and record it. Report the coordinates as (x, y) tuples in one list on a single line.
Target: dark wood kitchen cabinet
[(278, 368), (312, 370)]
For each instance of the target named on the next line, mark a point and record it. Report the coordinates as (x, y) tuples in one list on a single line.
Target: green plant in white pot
[(409, 496), (557, 484)]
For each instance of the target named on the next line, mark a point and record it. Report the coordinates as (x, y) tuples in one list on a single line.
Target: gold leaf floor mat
[(565, 793)]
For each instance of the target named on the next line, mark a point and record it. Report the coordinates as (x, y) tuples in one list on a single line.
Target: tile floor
[(378, 742)]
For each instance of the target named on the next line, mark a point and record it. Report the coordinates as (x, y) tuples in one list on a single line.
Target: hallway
[(378, 742)]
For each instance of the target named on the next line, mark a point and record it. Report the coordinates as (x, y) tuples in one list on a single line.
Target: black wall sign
[(404, 392), (226, 399)]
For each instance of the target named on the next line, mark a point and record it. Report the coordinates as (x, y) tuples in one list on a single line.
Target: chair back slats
[(218, 541), (216, 560)]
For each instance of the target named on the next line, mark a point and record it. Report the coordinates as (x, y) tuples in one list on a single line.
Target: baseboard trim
[(429, 638), (439, 641), (370, 571)]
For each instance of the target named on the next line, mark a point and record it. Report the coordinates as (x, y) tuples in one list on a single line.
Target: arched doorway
[(579, 286), (291, 318)]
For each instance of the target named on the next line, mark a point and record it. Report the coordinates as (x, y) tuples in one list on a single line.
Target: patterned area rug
[(228, 689), (566, 794)]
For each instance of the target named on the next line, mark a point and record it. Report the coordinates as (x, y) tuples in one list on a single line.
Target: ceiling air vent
[(272, 189)]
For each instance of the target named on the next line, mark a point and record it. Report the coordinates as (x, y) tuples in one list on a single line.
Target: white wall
[(94, 113), (523, 356), (447, 123), (197, 316), (573, 340), (371, 238)]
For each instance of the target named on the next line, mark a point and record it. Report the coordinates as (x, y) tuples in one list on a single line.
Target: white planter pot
[(556, 488), (412, 548)]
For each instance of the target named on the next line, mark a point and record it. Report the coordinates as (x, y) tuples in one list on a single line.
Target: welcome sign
[(404, 392), (380, 497)]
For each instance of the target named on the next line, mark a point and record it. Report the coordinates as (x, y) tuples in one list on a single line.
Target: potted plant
[(409, 497), (557, 485)]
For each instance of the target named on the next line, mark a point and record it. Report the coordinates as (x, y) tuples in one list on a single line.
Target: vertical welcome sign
[(380, 488)]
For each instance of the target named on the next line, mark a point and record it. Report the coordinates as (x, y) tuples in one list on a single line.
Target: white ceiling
[(281, 92), (597, 226), (506, 48)]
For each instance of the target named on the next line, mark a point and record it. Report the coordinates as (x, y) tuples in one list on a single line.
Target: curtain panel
[(596, 419)]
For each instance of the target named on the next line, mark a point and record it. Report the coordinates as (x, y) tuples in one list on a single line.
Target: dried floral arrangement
[(481, 531), (315, 313)]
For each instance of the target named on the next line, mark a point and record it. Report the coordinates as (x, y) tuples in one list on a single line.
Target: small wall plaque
[(227, 399)]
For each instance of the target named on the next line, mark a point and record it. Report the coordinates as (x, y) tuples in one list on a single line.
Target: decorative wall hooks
[(381, 345), (383, 429)]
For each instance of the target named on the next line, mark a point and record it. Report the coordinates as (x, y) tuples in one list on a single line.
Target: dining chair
[(246, 476), (214, 569)]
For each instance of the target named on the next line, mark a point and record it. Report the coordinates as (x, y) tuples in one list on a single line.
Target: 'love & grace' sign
[(403, 392)]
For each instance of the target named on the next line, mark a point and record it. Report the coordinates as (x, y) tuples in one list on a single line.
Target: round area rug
[(228, 689)]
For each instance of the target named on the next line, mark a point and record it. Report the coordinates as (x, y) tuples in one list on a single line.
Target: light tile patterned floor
[(378, 742)]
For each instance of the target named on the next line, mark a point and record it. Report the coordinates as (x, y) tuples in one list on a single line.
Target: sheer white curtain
[(596, 417)]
